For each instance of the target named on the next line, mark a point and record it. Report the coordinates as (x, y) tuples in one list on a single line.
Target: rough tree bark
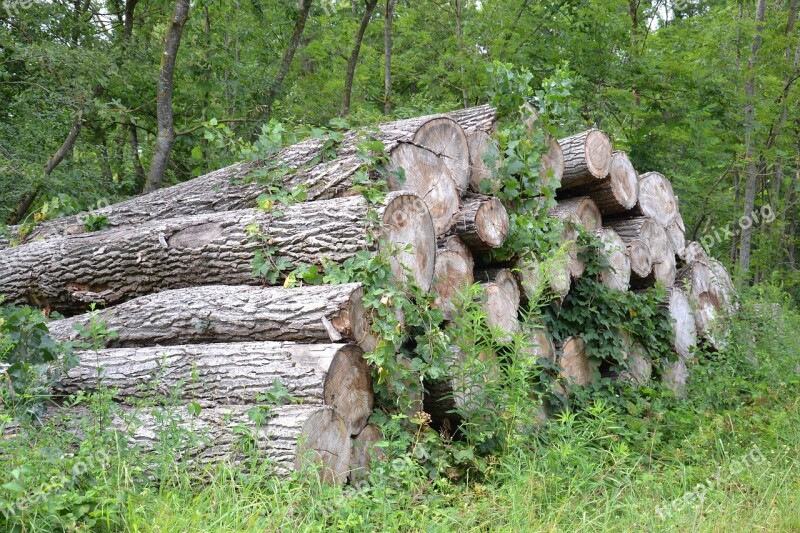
[(68, 274), (587, 158), (615, 194), (336, 375), (353, 60), (388, 16), (584, 208), (226, 313), (482, 224)]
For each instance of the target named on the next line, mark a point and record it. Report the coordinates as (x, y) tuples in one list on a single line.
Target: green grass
[(609, 465)]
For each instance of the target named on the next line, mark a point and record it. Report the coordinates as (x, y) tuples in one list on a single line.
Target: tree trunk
[(615, 194), (387, 57), (293, 437), (618, 275), (656, 199), (137, 162), (751, 183), (353, 61), (286, 64), (482, 224), (70, 273), (576, 369), (453, 275), (165, 137), (225, 313), (587, 158), (336, 375), (582, 207)]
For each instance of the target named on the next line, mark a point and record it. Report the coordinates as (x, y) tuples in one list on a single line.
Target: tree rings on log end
[(348, 387), (324, 443), (409, 229)]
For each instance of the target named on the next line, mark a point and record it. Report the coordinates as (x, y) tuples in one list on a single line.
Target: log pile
[(173, 278)]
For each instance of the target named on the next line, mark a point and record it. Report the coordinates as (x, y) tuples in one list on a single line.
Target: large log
[(641, 263), (646, 230), (70, 273), (615, 194), (587, 158), (656, 199), (224, 313), (706, 301), (502, 301), (363, 452), (618, 274), (638, 366), (336, 375), (453, 276), (292, 437), (303, 164), (582, 207), (675, 375), (676, 232), (536, 279), (693, 252), (482, 223), (481, 178)]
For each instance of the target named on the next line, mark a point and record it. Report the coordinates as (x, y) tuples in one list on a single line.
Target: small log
[(70, 273), (638, 366), (536, 279), (336, 375), (575, 366), (665, 272), (676, 232), (618, 275), (222, 313), (453, 275), (706, 302), (656, 199), (587, 158), (463, 389), (541, 346), (363, 452), (480, 142), (293, 437), (646, 230), (502, 301), (615, 194), (694, 253), (675, 375), (641, 263), (552, 165), (482, 224), (582, 207), (683, 325), (569, 236)]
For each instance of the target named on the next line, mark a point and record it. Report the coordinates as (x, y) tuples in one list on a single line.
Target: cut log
[(615, 194), (453, 276), (676, 232), (302, 164), (363, 452), (502, 301), (638, 366), (336, 375), (70, 273), (683, 326), (657, 199), (482, 223), (587, 158), (582, 207), (223, 313), (723, 285), (665, 272), (618, 275), (552, 165), (293, 437), (481, 179), (482, 117), (694, 253), (675, 375), (575, 366), (641, 264), (706, 302), (541, 346), (531, 274), (463, 390), (646, 230), (569, 238)]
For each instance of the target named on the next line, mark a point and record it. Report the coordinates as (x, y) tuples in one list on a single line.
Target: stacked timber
[(172, 277)]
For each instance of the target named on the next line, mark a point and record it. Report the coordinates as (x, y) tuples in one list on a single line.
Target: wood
[(615, 194), (336, 375), (293, 437), (502, 301), (706, 301), (657, 199), (584, 208), (363, 452), (641, 263), (587, 158), (463, 390), (70, 273), (224, 313), (683, 325), (537, 279), (665, 272), (480, 143), (482, 224), (639, 369), (552, 165), (646, 230), (541, 346), (675, 375), (676, 233), (618, 275), (569, 238), (694, 253), (235, 187), (723, 285), (575, 366), (453, 275)]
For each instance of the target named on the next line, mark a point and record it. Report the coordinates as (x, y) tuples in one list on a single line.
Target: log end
[(324, 444), (410, 231), (348, 387)]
